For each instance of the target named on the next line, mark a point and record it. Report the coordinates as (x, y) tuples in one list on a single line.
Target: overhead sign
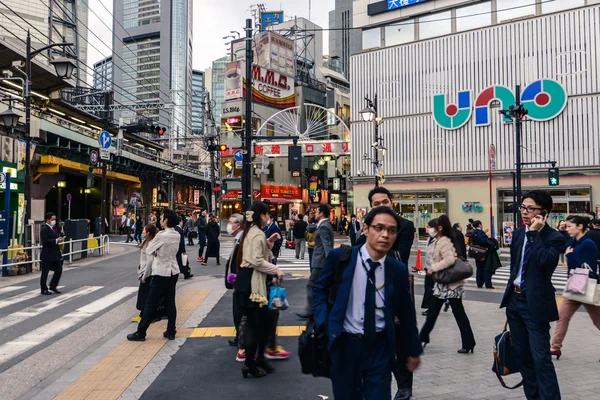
[(280, 192), (232, 109), (544, 99), (270, 18), (93, 157), (394, 4), (104, 154), (104, 139), (309, 148)]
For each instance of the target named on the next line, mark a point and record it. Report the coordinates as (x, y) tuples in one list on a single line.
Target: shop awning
[(53, 165)]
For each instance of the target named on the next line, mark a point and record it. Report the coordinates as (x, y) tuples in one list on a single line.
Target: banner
[(309, 148), (280, 192), (21, 154)]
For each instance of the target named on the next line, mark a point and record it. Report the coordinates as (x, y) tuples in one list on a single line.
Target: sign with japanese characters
[(309, 148), (394, 4), (280, 192)]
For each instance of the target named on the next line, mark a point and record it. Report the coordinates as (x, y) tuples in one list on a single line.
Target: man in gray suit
[(323, 245)]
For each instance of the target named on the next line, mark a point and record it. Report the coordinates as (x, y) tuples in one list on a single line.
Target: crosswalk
[(21, 309)]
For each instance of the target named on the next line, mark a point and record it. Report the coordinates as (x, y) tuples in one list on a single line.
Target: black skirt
[(142, 294)]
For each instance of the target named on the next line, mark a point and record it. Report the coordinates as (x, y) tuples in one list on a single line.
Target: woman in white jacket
[(443, 256), (149, 234), (162, 266)]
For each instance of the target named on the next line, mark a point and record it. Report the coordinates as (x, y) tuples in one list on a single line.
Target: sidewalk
[(200, 364)]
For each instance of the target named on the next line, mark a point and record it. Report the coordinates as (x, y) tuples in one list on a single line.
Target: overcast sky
[(213, 19)]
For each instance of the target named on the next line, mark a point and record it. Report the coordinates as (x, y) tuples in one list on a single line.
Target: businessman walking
[(51, 257)]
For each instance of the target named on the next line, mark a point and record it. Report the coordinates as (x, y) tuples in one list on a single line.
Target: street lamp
[(64, 67), (9, 118), (369, 114)]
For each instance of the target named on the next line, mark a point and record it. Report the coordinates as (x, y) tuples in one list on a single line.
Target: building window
[(400, 33), (559, 5), (435, 25), (473, 17), (371, 38), (511, 9)]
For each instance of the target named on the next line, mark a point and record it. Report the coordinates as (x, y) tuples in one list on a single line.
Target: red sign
[(233, 120), (232, 195), (256, 194), (281, 192), (229, 152)]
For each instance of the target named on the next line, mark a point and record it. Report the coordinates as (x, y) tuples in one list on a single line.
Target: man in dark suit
[(270, 229), (529, 297), (372, 292), (381, 197), (460, 238), (234, 228), (201, 223), (353, 229), (51, 257), (324, 238), (185, 269)]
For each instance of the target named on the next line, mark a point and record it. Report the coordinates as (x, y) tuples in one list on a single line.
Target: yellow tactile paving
[(108, 378), (229, 331)]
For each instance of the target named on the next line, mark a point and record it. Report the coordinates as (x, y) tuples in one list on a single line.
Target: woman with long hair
[(251, 288), (149, 233), (580, 250), (444, 254)]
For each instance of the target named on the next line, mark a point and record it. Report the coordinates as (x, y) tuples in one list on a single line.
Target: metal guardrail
[(103, 247)]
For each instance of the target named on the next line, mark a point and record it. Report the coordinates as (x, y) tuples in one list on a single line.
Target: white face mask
[(432, 232), (229, 228), (52, 223)]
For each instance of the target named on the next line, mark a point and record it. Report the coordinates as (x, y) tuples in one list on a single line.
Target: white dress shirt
[(517, 281), (355, 311)]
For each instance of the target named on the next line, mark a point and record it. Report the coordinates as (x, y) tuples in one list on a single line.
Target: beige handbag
[(591, 294)]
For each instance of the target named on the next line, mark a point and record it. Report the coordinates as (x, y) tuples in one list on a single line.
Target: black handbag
[(505, 361), (477, 252), (313, 351), (460, 271)]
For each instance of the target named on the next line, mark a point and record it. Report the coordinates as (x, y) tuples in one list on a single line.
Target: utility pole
[(213, 180), (518, 126), (103, 214), (247, 154)]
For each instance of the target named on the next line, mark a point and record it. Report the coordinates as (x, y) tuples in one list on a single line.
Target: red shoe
[(200, 259), (556, 353), (279, 353), (240, 356)]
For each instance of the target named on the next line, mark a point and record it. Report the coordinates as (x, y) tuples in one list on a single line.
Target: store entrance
[(421, 207)]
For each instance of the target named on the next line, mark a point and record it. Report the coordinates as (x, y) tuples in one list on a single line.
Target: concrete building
[(152, 60), (197, 102), (217, 87), (343, 40), (442, 70), (103, 74)]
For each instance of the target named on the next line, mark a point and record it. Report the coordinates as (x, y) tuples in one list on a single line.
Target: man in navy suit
[(51, 257), (529, 297), (373, 290)]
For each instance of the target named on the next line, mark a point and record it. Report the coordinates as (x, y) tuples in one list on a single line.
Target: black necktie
[(369, 324)]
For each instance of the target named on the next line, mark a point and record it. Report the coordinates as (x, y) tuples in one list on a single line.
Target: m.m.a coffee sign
[(544, 99)]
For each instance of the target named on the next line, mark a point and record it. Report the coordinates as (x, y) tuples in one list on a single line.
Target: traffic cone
[(419, 266)]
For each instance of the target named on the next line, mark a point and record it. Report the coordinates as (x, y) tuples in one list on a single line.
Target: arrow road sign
[(104, 139), (238, 155)]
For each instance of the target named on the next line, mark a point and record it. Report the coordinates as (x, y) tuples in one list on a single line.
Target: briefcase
[(313, 351), (505, 360)]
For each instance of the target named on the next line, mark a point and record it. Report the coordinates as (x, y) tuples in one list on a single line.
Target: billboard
[(233, 80), (274, 52), (270, 18)]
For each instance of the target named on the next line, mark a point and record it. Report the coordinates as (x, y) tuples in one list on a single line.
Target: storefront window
[(400, 32), (371, 38), (439, 208), (435, 25), (473, 17), (408, 196), (579, 207), (511, 9), (579, 192)]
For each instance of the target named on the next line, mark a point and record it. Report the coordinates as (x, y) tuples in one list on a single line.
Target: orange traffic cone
[(419, 266)]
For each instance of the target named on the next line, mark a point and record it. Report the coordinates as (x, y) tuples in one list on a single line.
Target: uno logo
[(544, 99)]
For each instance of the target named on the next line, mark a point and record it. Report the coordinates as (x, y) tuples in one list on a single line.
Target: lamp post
[(64, 68), (369, 114)]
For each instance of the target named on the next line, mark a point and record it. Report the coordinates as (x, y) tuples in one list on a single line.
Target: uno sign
[(270, 83), (544, 99)]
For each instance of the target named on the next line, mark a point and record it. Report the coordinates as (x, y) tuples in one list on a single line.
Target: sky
[(213, 19)]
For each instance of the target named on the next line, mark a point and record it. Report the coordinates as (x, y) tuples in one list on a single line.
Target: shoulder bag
[(477, 252), (582, 288), (460, 271), (505, 361)]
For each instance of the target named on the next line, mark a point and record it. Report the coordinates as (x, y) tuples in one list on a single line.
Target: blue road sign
[(69, 197), (104, 139), (238, 155)]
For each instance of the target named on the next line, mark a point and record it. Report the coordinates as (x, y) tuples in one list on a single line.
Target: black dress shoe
[(56, 290), (189, 276), (424, 313), (135, 337), (46, 292), (403, 394), (170, 336), (233, 342)]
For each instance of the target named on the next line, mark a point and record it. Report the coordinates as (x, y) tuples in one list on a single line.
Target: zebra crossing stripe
[(38, 336), (21, 297), (9, 289), (37, 309)]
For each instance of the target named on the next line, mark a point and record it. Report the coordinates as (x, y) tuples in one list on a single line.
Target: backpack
[(312, 344)]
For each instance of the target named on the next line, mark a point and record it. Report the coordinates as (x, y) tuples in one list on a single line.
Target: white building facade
[(438, 156)]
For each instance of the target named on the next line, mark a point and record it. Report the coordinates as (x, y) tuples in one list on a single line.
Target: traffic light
[(521, 112), (222, 147), (162, 130), (223, 188), (553, 177)]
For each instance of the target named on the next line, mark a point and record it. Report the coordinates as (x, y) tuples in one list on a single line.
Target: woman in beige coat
[(443, 256)]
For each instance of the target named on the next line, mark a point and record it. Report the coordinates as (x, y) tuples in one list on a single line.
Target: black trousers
[(404, 376), (466, 333), (160, 286), (273, 321), (238, 313), (483, 276), (129, 237), (48, 266), (428, 294), (256, 334)]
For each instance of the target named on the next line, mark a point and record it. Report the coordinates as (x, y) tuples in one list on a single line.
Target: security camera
[(7, 73), (18, 64)]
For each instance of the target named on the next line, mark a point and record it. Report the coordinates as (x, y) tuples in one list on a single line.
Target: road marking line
[(21, 297), (229, 331), (11, 289), (39, 308), (38, 336)]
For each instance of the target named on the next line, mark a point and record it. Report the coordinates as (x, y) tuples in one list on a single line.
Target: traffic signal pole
[(104, 166), (247, 154)]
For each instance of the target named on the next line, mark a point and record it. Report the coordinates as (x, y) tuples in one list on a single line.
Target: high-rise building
[(197, 100), (64, 18), (218, 86), (152, 58), (103, 74), (343, 40)]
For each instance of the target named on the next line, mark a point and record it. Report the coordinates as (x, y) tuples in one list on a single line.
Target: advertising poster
[(20, 213), (21, 154), (233, 80), (507, 232)]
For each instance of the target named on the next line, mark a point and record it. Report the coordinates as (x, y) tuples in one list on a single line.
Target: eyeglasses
[(529, 209), (392, 230)]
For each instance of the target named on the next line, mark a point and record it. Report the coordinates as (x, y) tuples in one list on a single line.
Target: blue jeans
[(137, 237)]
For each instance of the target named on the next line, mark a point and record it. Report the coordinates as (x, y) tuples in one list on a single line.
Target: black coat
[(492, 259), (299, 230), (231, 266), (479, 238), (353, 228), (181, 248), (404, 241), (50, 249), (213, 231), (460, 238)]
